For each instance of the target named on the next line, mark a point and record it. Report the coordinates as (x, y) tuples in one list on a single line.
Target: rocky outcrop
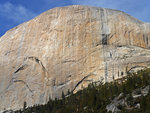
[(67, 48), (125, 101)]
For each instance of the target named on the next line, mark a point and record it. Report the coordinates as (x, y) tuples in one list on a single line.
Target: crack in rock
[(68, 61), (131, 70), (24, 84), (21, 68), (24, 66), (33, 58), (8, 52), (90, 74)]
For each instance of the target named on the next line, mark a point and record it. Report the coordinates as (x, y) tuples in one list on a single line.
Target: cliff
[(67, 48)]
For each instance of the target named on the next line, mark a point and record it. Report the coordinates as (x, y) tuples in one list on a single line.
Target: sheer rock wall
[(67, 48)]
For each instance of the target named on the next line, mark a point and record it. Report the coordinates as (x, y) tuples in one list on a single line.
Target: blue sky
[(15, 12)]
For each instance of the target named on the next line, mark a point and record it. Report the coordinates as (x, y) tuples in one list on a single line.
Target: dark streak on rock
[(105, 39), (135, 67), (110, 36), (24, 83), (63, 83), (65, 61), (82, 80), (9, 52), (37, 61), (21, 68)]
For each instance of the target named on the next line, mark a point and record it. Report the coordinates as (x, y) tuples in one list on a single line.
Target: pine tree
[(24, 105)]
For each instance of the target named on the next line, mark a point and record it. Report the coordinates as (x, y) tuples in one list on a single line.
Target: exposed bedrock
[(67, 48)]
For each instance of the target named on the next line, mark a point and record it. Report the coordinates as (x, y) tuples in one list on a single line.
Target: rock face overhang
[(67, 48)]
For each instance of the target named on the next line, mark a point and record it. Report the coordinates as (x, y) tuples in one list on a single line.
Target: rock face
[(66, 49)]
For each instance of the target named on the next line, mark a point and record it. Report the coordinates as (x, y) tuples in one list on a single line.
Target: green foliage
[(94, 99)]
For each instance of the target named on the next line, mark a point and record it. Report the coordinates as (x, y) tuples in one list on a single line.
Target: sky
[(15, 12)]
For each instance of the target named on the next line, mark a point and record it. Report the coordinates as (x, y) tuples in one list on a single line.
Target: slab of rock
[(140, 92), (145, 90), (113, 106), (67, 48)]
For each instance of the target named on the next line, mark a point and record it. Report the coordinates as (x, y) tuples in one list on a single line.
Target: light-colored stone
[(113, 106), (124, 101), (66, 49)]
